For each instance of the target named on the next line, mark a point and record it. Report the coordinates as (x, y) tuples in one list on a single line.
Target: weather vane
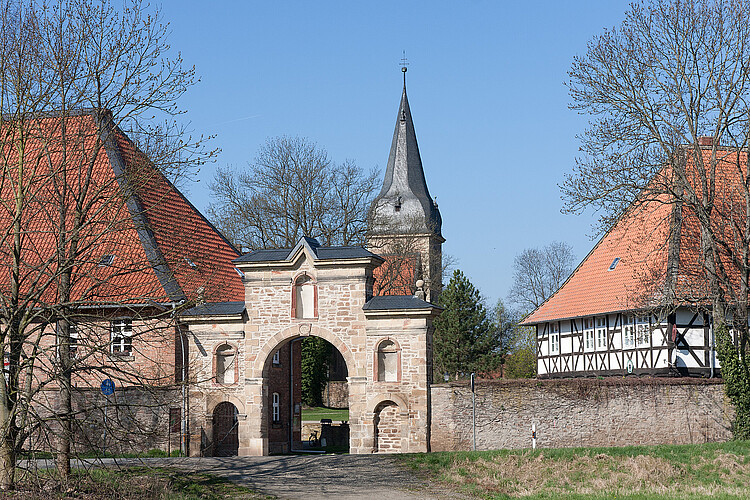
[(404, 64)]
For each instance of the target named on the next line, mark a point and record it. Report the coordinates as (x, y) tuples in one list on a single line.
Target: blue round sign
[(108, 387)]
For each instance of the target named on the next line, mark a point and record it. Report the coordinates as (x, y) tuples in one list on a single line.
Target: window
[(601, 333), (73, 342), (276, 408), (613, 265), (388, 361), (106, 260), (643, 332), (304, 298), (122, 336), (628, 337), (554, 338), (276, 361), (588, 333), (225, 364)]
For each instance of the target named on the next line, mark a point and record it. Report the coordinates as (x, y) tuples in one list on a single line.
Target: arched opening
[(225, 364), (387, 422), (225, 436), (304, 298), (388, 362), (307, 393)]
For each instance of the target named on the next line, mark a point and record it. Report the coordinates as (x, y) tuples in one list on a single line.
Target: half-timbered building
[(638, 303)]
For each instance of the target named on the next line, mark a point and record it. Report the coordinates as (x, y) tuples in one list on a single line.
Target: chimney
[(705, 140)]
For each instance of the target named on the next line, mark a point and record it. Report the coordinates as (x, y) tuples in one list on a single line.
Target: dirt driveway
[(321, 477)]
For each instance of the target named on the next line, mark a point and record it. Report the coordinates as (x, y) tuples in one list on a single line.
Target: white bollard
[(533, 436)]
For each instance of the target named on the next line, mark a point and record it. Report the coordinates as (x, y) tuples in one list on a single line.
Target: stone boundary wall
[(580, 412), (137, 420), (336, 394)]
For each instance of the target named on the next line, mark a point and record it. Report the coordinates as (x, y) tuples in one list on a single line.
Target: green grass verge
[(712, 470), (319, 412)]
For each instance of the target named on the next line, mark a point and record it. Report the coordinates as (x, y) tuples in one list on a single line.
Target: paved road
[(321, 477)]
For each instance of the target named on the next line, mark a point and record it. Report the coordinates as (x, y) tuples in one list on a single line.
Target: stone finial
[(201, 292), (420, 289)]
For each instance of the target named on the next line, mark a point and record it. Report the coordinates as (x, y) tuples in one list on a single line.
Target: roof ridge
[(134, 206)]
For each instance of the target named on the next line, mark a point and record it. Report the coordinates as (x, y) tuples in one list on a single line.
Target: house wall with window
[(631, 342)]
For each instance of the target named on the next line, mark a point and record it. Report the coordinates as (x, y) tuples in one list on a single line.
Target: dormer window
[(106, 260), (304, 298), (397, 205), (613, 265)]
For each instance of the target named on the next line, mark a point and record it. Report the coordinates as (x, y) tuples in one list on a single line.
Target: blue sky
[(486, 90)]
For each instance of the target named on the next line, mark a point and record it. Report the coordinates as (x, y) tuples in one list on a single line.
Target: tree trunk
[(7, 463)]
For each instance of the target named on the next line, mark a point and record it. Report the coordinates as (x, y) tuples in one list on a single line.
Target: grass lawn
[(319, 412), (135, 483), (713, 470)]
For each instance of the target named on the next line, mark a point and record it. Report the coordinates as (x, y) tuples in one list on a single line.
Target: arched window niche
[(226, 364), (388, 361), (304, 298)]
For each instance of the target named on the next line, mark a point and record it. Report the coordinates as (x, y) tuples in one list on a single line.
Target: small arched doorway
[(387, 428), (226, 440)]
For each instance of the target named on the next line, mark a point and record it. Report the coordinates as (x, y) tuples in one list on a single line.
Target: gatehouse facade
[(245, 395)]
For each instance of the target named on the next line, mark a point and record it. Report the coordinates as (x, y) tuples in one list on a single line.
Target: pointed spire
[(404, 197)]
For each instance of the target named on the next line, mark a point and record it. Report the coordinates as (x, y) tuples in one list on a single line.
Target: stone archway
[(225, 430), (284, 427)]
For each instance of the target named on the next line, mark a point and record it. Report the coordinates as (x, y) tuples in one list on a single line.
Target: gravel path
[(321, 477)]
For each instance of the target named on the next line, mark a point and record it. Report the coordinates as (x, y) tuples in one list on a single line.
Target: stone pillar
[(252, 432), (360, 436)]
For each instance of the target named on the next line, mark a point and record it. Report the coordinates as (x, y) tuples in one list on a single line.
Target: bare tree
[(292, 189), (668, 90), (538, 273), (73, 75)]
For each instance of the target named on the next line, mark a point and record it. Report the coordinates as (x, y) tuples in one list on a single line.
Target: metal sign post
[(108, 388)]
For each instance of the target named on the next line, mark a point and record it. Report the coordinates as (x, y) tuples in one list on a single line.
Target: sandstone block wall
[(580, 412)]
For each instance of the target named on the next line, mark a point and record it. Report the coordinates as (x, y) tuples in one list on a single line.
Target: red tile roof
[(640, 239), (397, 275), (132, 212)]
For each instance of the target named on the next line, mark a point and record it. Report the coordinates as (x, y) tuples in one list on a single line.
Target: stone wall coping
[(594, 382)]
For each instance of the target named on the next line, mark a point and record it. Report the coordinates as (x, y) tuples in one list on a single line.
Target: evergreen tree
[(465, 339)]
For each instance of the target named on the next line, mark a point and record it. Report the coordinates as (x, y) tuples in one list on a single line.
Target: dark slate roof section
[(404, 183), (216, 309), (344, 253), (325, 253), (264, 255), (390, 302)]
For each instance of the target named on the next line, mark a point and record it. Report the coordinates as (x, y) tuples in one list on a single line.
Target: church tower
[(406, 223)]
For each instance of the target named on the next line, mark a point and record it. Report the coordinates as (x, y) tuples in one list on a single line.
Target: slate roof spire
[(404, 198)]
